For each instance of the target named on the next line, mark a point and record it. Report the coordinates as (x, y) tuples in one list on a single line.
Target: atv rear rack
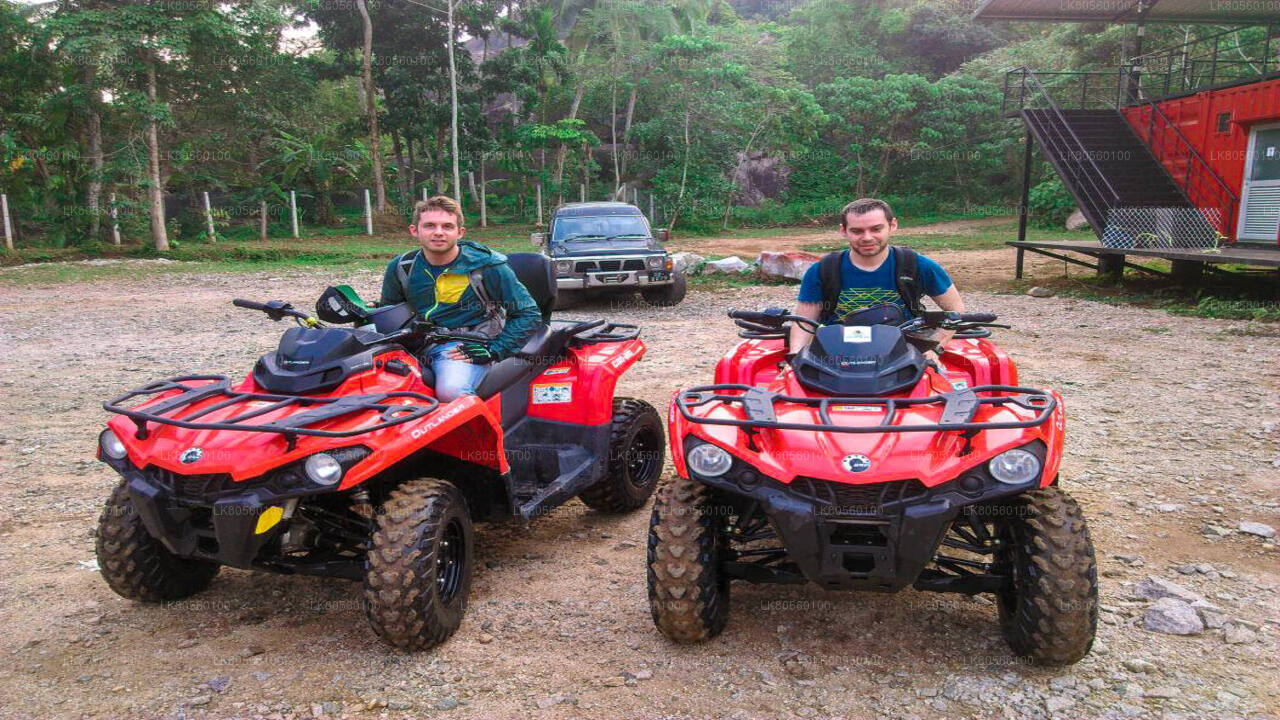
[(290, 427), (959, 408)]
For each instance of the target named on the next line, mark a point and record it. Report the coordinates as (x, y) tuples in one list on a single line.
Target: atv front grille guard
[(958, 411), (218, 386)]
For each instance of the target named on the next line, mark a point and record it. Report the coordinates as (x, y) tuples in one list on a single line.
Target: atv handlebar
[(275, 309)]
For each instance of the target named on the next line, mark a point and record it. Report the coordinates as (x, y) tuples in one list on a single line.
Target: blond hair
[(439, 202)]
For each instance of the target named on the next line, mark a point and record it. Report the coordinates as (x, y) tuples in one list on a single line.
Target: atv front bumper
[(210, 516), (858, 537)]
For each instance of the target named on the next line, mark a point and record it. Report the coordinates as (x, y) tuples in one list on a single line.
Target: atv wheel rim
[(641, 459), (452, 561)]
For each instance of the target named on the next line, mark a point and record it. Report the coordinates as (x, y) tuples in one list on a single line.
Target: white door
[(1260, 196)]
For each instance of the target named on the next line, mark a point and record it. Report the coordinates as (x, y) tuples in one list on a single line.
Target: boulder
[(729, 265), (687, 262), (1077, 221), (785, 265), (1257, 528), (1156, 588), (1172, 617)]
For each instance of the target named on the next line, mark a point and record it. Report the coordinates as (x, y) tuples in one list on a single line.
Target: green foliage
[(1049, 204)]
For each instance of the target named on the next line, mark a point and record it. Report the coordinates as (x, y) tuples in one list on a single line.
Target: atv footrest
[(958, 408), (390, 408)]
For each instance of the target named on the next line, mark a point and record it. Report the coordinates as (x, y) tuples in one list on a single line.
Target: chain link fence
[(1163, 228)]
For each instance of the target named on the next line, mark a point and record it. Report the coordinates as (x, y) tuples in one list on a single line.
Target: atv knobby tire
[(688, 590), (418, 570), (138, 566), (666, 295), (1051, 613), (635, 459)]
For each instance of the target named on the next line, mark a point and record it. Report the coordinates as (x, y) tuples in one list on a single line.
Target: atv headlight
[(564, 266), (708, 460), (112, 446), (323, 469), (1014, 467), (655, 261)]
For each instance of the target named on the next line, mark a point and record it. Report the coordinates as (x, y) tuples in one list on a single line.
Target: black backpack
[(906, 262)]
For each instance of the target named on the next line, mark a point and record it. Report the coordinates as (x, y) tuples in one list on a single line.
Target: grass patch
[(1225, 297), (989, 237)]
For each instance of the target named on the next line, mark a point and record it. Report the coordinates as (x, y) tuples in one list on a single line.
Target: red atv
[(334, 458), (860, 465)]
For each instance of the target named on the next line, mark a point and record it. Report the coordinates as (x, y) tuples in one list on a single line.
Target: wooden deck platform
[(1187, 263)]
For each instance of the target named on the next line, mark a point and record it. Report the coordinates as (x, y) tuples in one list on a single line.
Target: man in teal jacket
[(444, 281)]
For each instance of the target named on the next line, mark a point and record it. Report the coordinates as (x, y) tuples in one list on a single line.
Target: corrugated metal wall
[(1217, 122)]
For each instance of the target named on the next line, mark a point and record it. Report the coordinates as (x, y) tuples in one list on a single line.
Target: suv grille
[(608, 265)]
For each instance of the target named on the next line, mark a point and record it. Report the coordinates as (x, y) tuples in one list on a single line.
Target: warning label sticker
[(552, 394)]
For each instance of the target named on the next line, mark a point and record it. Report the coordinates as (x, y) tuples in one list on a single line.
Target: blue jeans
[(454, 378)]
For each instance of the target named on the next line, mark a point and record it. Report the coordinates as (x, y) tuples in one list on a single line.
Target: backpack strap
[(907, 265), (404, 264), (494, 315), (830, 282)]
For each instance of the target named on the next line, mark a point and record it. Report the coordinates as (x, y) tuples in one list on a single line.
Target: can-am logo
[(856, 463), (190, 455)]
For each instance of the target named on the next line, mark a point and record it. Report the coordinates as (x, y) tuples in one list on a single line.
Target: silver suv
[(608, 247)]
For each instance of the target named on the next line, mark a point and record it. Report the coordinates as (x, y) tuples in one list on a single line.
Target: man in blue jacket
[(458, 284)]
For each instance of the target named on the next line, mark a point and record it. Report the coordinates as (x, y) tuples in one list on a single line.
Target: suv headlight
[(1014, 467), (709, 460), (655, 261), (112, 446), (564, 266)]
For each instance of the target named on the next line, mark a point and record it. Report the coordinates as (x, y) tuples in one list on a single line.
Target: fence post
[(293, 212), (115, 222), (368, 212), (208, 217), (651, 216), (8, 227), (538, 195)]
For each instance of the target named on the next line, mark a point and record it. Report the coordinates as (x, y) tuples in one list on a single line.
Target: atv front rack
[(958, 411), (292, 426)]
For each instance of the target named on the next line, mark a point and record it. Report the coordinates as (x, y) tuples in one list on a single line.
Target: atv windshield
[(625, 230)]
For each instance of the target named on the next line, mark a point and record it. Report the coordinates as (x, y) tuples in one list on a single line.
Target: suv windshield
[(602, 227)]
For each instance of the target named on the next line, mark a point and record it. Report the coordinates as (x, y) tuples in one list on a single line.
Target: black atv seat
[(545, 347)]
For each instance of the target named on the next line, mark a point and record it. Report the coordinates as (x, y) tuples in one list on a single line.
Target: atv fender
[(467, 428)]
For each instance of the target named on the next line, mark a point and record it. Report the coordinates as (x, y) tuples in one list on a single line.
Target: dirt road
[(1172, 443)]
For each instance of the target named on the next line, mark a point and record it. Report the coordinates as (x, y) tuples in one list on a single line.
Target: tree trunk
[(728, 203), (371, 108), (453, 107), (94, 198), (413, 171), (159, 234), (484, 197), (562, 152), (626, 128), (402, 171), (684, 173), (262, 220), (613, 136)]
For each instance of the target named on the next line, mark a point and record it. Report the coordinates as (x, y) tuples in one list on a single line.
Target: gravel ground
[(1172, 443)]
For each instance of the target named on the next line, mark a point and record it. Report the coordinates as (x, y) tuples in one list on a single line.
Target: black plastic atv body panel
[(312, 360), (858, 360)]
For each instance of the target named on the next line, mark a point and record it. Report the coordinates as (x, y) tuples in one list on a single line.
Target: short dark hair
[(862, 206)]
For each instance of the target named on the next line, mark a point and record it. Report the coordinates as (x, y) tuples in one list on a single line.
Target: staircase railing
[(1094, 192), (1204, 187)]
